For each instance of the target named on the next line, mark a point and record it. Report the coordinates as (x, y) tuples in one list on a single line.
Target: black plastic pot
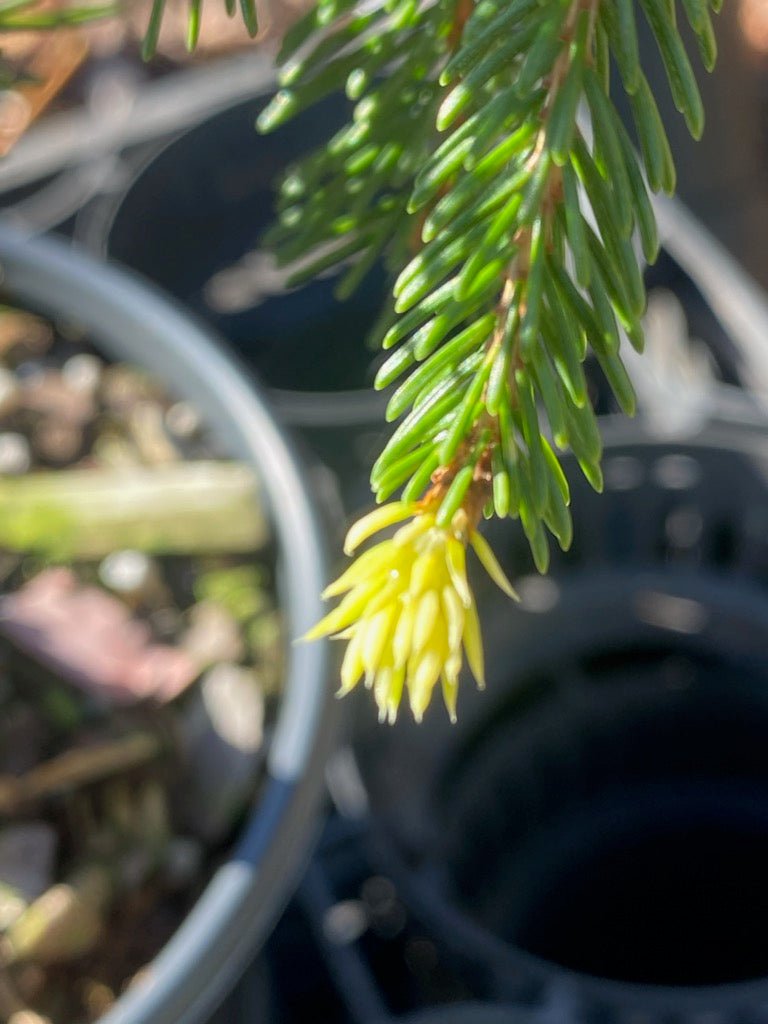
[(592, 836), (131, 321), (469, 1013), (191, 217)]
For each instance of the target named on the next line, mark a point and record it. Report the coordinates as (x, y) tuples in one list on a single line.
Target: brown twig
[(49, 60), (79, 767), (553, 190)]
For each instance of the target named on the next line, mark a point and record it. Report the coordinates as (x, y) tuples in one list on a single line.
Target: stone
[(50, 395), (21, 330), (213, 635), (64, 923), (28, 1017), (57, 441), (123, 386), (222, 741), (148, 431), (15, 454), (27, 854), (183, 421), (129, 572), (82, 372), (89, 638)]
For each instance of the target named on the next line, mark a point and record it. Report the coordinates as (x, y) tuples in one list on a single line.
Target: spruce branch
[(465, 140), (247, 11)]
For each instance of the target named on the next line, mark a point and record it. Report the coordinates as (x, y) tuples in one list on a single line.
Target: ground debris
[(138, 671)]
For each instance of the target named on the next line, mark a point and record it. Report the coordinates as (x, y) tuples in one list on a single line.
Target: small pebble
[(213, 635), (127, 572), (149, 435), (15, 456), (97, 997), (23, 330), (49, 395), (122, 387), (27, 853), (71, 330), (221, 735), (12, 906), (110, 449), (57, 441), (232, 696), (65, 923), (28, 1017), (93, 641), (183, 420), (82, 372)]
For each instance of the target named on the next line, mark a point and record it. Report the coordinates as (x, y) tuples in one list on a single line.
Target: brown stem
[(461, 15), (78, 767), (518, 269), (514, 278)]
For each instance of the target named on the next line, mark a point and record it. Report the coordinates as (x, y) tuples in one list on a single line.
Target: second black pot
[(591, 837), (191, 219)]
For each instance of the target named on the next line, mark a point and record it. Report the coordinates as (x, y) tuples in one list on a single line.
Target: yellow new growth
[(408, 609)]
